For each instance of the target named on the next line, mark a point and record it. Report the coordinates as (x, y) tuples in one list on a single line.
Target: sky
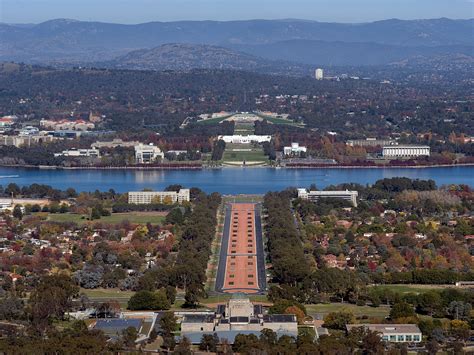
[(139, 11)]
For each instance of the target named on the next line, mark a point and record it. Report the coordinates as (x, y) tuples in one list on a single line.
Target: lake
[(226, 180)]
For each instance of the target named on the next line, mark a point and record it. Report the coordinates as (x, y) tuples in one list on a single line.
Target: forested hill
[(182, 57)]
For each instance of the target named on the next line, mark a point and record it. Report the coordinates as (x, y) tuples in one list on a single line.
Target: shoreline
[(202, 167)]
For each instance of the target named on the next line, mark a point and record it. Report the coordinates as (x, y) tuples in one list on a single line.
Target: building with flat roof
[(351, 196), (319, 74), (145, 154), (26, 141), (238, 316), (371, 142), (405, 151), (147, 197), (294, 149), (79, 153), (393, 333), (239, 139), (115, 143)]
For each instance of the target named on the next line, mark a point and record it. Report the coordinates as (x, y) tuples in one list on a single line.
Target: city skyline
[(139, 11)]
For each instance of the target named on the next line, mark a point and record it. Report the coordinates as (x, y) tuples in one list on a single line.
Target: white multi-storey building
[(239, 139), (319, 74), (80, 153), (147, 197), (145, 154), (316, 195), (393, 333), (406, 151), (294, 149)]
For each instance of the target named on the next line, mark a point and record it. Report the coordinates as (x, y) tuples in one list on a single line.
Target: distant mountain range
[(235, 44)]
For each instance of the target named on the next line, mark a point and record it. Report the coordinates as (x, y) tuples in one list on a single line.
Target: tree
[(297, 312), (459, 310), (372, 343), (339, 320), (175, 216), (129, 336), (11, 307), (459, 329), (168, 323), (51, 299), (268, 337), (429, 303), (432, 347), (148, 300), (246, 343), (17, 212), (402, 310), (183, 347), (209, 343)]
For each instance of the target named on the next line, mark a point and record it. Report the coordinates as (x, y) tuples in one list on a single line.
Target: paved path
[(241, 263)]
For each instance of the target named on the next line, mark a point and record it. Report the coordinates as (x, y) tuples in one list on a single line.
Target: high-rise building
[(319, 74)]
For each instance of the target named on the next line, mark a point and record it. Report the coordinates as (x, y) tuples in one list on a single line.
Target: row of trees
[(285, 250)]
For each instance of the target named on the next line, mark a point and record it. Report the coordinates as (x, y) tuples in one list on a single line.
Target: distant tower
[(319, 74)]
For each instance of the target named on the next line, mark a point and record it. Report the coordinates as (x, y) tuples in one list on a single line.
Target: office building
[(115, 143), (393, 333), (316, 195), (319, 74), (147, 197), (24, 141), (79, 153), (405, 151), (145, 154), (29, 131), (294, 149), (77, 125), (371, 142)]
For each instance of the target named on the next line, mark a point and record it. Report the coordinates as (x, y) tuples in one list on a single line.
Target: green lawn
[(105, 294), (239, 152), (358, 311), (412, 288), (244, 129), (115, 218), (281, 121)]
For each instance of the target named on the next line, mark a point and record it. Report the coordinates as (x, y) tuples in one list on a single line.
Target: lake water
[(227, 180)]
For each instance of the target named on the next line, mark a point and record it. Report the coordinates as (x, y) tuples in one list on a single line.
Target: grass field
[(412, 288), (115, 218), (241, 152), (104, 295), (281, 121), (244, 129), (358, 311)]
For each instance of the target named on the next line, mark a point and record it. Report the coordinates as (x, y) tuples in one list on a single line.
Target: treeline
[(37, 191), (423, 277), (195, 247), (218, 150), (121, 207), (285, 250)]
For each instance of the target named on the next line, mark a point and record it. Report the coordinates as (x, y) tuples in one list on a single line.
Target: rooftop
[(388, 328)]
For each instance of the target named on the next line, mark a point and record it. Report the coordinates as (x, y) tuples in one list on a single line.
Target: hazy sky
[(136, 11)]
